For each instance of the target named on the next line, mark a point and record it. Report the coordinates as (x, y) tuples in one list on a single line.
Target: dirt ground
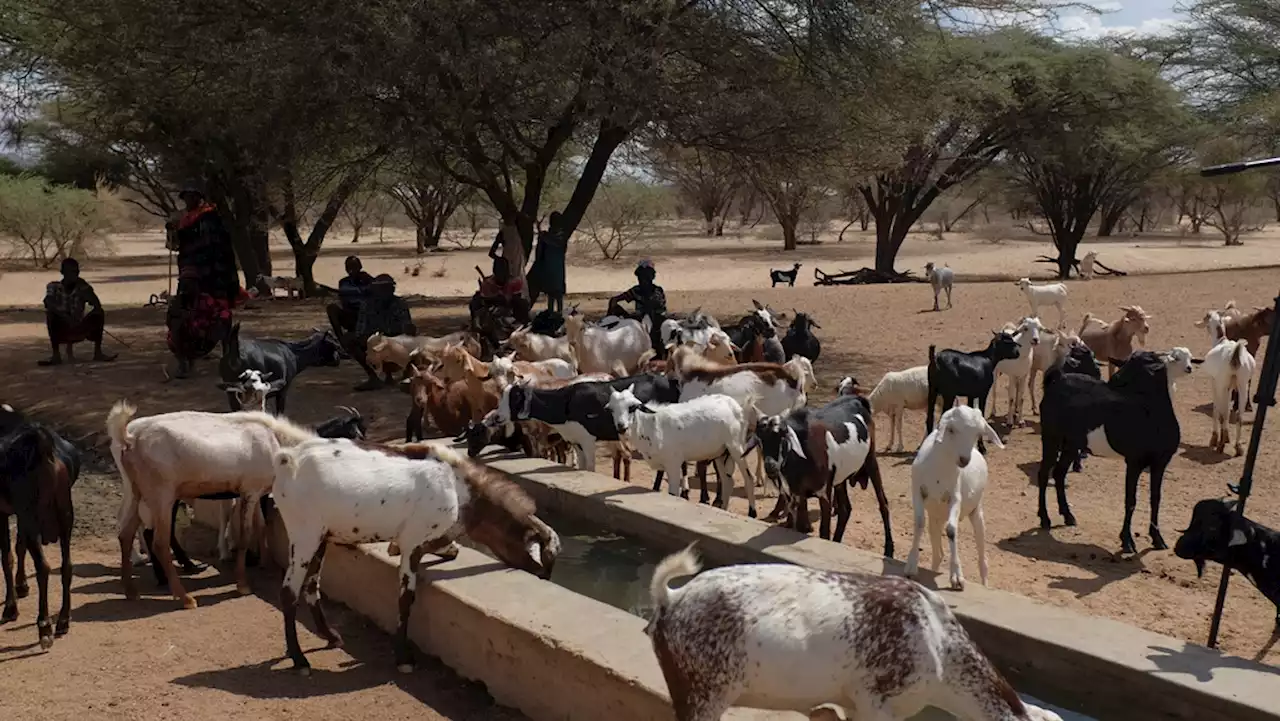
[(865, 332), (147, 659)]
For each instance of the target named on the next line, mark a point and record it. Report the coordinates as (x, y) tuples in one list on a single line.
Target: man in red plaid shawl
[(208, 284)]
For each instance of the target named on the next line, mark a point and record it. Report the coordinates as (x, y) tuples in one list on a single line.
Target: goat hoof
[(335, 642), (303, 669), (1157, 540), (1239, 450), (46, 642), (1068, 520), (22, 590), (189, 602), (888, 550), (751, 513), (62, 627), (241, 588), (957, 583), (684, 495), (1045, 522), (131, 593), (10, 614)]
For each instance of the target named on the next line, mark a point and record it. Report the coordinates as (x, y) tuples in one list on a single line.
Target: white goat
[(1230, 366), (1054, 294), (1086, 264), (948, 477), (599, 349), (1053, 347), (280, 282), (1017, 370), (899, 390), (506, 369), (171, 456), (420, 496), (941, 279), (786, 637), (802, 368), (670, 435), (530, 346)]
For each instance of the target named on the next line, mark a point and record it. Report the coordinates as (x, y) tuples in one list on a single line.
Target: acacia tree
[(429, 197), (707, 178), (1121, 125), (791, 190)]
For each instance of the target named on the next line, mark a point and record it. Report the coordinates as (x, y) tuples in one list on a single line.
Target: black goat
[(1080, 359), (800, 340), (350, 424), (1130, 416), (954, 373), (798, 451), (1219, 533), (784, 276), (37, 470), (284, 360), (478, 435)]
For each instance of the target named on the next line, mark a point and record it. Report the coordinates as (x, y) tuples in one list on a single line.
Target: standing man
[(208, 283), (649, 302), (64, 315), (547, 273), (344, 314)]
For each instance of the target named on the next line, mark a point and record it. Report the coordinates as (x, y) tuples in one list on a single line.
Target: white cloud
[(1088, 27)]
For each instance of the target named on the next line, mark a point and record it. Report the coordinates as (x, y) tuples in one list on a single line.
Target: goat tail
[(681, 563), (618, 369), (285, 460), (118, 424), (647, 356), (1237, 353), (933, 349)]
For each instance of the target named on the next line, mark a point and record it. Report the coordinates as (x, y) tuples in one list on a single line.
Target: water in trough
[(615, 569)]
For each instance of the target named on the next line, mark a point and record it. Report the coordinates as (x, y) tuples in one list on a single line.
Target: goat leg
[(6, 562), (844, 509), (20, 578), (63, 624), (1132, 473), (1157, 486), (1060, 483), (1049, 451)]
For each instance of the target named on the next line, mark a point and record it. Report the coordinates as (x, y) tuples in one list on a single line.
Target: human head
[(645, 272), (553, 220), (191, 196), (384, 284), (353, 265), (70, 269)]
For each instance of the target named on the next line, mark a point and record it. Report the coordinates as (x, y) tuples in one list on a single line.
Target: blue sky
[(1123, 16)]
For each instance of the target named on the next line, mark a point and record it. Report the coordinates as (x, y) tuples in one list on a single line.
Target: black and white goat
[(283, 360), (815, 452), (954, 373), (800, 340), (1219, 533), (1129, 416), (784, 276), (791, 638)]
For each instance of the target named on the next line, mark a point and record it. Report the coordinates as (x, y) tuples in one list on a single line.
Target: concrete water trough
[(575, 648)]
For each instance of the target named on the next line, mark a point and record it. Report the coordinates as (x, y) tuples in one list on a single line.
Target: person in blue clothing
[(547, 273), (351, 290)]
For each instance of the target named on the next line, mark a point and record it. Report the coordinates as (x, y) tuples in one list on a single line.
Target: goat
[(1219, 533), (422, 497), (786, 637), (598, 348), (800, 340), (449, 404), (38, 468), (171, 456), (1230, 367), (784, 276), (941, 279), (896, 391), (1077, 358), (1115, 340), (1086, 264), (1130, 416), (954, 373), (670, 435), (1049, 352), (531, 346), (506, 369), (482, 388), (252, 389), (1054, 294), (1251, 327), (280, 282), (948, 477), (534, 437), (1017, 370), (284, 360), (816, 451), (400, 350)]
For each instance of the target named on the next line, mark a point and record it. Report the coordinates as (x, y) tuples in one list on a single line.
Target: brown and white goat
[(172, 456), (1114, 341), (449, 404)]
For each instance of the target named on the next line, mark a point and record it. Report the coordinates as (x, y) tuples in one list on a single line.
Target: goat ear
[(992, 436), (756, 303), (644, 409), (276, 386), (1197, 361), (794, 442)]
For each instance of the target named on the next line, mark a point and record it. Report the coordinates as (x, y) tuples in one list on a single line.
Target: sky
[(1123, 16)]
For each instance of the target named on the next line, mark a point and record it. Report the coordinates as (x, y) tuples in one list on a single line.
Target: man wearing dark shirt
[(381, 311), (344, 314), (649, 301), (65, 317), (208, 283)]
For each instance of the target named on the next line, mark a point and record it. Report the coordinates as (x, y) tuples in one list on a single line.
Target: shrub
[(47, 223)]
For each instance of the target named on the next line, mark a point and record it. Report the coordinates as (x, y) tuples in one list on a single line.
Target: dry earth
[(865, 332)]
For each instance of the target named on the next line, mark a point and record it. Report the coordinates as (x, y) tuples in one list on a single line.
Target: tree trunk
[(1111, 217), (238, 227), (420, 235), (306, 263), (789, 240), (864, 219), (1276, 202), (355, 234), (720, 226), (709, 219)]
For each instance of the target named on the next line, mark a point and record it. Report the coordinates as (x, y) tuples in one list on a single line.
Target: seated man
[(649, 301), (381, 311), (502, 293), (344, 314), (68, 324)]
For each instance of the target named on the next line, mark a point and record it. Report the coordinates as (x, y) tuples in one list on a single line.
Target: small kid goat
[(784, 276), (941, 279), (1054, 294)]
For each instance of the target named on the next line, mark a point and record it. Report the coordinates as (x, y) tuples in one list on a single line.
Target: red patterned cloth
[(202, 326)]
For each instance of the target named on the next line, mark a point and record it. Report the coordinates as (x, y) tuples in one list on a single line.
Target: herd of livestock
[(723, 391)]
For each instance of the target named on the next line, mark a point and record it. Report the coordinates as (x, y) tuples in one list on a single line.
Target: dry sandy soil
[(865, 332), (126, 660)]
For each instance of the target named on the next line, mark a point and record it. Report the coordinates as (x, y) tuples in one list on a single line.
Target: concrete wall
[(1097, 666)]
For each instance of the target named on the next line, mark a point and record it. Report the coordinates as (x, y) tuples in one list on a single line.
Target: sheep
[(786, 637), (597, 348), (784, 276), (1219, 532), (170, 456), (1054, 294), (38, 469), (422, 497), (1017, 370), (1130, 415), (941, 279), (1230, 367), (1114, 341), (700, 429), (896, 391), (816, 451), (531, 346), (1086, 264), (948, 477), (954, 373), (800, 340), (284, 360)]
